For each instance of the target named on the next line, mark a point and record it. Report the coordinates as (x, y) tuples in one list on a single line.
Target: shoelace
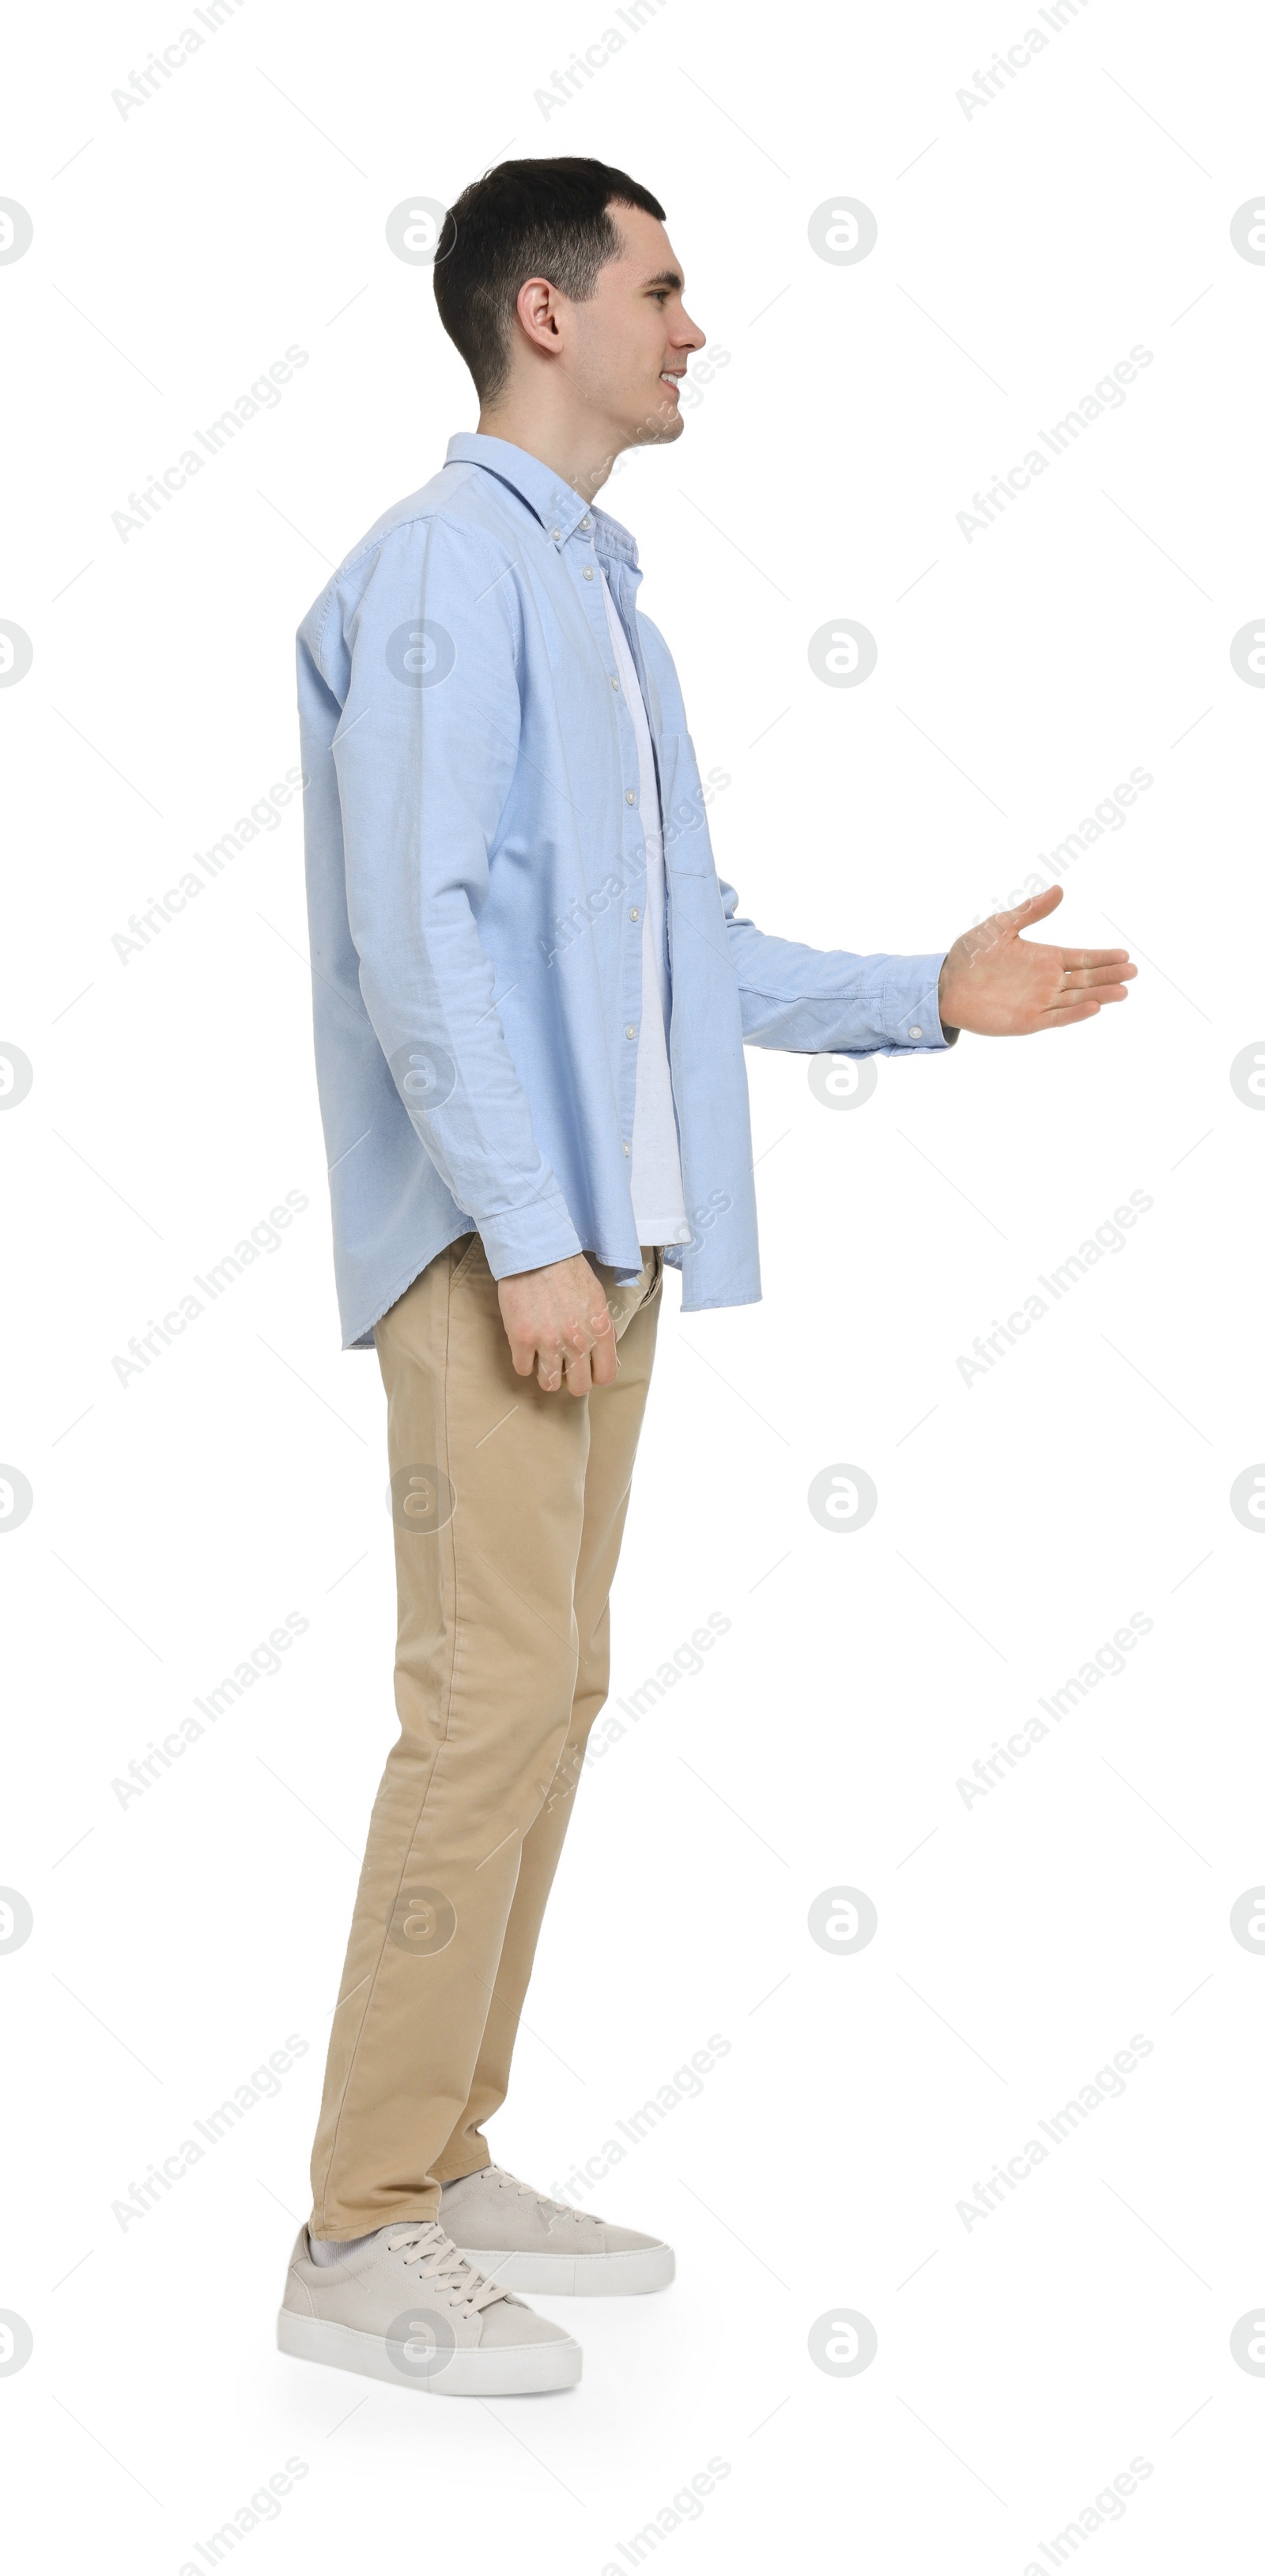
[(508, 2181), (440, 2264)]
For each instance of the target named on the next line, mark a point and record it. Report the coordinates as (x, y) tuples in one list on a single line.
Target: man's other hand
[(1001, 986), (558, 1324)]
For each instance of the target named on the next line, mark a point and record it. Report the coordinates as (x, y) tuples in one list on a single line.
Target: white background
[(1022, 1940)]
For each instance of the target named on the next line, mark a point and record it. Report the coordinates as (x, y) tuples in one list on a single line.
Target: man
[(531, 997)]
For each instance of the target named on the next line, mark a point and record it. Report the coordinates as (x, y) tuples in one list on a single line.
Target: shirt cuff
[(911, 1011), (528, 1238)]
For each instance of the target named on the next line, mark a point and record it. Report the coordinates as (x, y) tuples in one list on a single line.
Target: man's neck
[(577, 459)]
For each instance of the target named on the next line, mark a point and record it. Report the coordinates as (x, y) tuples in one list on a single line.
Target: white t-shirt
[(658, 1194)]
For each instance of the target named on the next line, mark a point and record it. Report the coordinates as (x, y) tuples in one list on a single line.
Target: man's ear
[(536, 305)]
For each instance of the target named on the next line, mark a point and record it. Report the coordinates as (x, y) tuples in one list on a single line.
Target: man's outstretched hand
[(559, 1325), (1001, 986)]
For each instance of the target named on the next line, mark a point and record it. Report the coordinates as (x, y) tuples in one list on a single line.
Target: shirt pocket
[(687, 845)]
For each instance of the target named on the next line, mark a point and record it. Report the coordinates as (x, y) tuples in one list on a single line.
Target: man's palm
[(1001, 986)]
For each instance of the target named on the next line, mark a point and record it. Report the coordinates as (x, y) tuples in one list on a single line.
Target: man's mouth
[(666, 377)]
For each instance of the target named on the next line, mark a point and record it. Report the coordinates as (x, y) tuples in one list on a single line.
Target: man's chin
[(660, 426)]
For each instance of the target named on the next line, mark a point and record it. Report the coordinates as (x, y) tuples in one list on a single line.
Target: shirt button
[(630, 1033), (586, 523), (614, 684), (915, 1033), (628, 1149), (634, 915), (555, 533), (629, 797), (588, 572)]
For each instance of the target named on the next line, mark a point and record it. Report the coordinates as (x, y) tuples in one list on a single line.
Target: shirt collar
[(557, 505)]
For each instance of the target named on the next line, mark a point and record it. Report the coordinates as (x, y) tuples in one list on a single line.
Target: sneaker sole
[(580, 2276), (507, 2370)]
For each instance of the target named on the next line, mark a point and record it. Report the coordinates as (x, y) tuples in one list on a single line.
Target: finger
[(574, 1351), (549, 1371), (1100, 993), (1035, 909), (1089, 978), (1083, 1010), (579, 1378), (1094, 957), (604, 1360)]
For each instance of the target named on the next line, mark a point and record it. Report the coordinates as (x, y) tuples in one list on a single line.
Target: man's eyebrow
[(666, 277)]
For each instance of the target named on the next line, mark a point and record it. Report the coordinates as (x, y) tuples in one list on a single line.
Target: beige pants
[(509, 1509)]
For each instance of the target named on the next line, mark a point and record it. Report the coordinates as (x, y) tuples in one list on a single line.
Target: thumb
[(1035, 909)]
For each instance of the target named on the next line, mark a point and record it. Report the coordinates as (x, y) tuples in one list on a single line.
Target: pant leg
[(615, 1419), (488, 1481)]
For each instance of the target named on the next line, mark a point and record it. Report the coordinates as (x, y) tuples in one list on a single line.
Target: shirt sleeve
[(825, 1001), (426, 666)]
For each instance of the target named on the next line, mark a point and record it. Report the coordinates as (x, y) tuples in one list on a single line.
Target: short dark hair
[(524, 219)]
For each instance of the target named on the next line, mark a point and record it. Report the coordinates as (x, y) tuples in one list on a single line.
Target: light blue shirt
[(476, 879)]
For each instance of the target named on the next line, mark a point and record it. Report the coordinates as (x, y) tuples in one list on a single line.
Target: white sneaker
[(410, 2309), (534, 2243)]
